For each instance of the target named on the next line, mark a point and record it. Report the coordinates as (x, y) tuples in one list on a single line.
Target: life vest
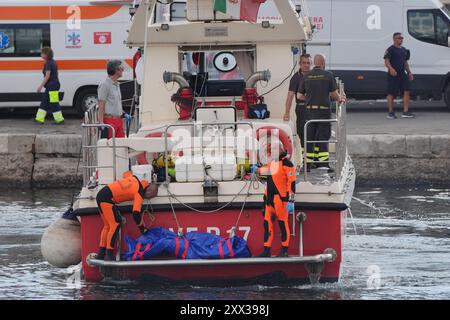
[(129, 188)]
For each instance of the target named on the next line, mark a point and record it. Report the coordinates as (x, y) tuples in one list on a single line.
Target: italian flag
[(246, 10)]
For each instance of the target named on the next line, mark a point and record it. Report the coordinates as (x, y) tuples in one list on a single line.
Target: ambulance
[(83, 34)]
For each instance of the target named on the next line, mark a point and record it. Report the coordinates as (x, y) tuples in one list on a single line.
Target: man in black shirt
[(399, 76), (316, 90), (297, 78)]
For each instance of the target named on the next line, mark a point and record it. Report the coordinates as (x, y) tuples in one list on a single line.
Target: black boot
[(109, 255), (265, 253), (101, 253), (283, 253)]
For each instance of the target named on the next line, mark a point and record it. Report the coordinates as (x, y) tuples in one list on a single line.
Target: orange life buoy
[(282, 135)]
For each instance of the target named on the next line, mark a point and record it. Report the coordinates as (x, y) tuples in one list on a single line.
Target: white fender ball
[(61, 243)]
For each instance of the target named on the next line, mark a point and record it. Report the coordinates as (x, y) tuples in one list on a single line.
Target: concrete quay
[(39, 160), (401, 151)]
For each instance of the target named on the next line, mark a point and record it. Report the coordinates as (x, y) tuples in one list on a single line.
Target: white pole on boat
[(147, 9)]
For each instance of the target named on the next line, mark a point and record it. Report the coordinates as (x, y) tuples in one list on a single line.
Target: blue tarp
[(158, 242)]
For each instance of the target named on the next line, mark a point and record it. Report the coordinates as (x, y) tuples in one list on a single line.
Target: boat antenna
[(145, 58)]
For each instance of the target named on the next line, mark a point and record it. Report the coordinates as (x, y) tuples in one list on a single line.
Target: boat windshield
[(179, 11), (219, 65)]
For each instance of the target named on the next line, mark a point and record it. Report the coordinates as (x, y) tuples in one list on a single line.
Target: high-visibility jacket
[(130, 188)]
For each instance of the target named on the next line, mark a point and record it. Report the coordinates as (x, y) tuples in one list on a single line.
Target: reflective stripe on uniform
[(310, 157), (323, 156), (53, 96), (316, 152), (58, 116), (40, 115)]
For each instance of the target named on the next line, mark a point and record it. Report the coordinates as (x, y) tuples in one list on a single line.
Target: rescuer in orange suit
[(279, 200), (129, 188)]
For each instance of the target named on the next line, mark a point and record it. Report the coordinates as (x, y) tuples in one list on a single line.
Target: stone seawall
[(400, 159), (45, 161), (42, 161)]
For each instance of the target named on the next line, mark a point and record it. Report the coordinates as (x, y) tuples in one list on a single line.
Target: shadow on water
[(400, 250)]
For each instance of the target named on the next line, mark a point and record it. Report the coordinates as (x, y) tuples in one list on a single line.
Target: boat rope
[(171, 195), (253, 179), (151, 214), (69, 214), (175, 217)]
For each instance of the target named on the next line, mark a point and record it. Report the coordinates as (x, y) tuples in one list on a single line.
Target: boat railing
[(339, 140), (91, 134)]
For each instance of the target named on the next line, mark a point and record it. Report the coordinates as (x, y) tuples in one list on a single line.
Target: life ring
[(141, 158), (282, 136)]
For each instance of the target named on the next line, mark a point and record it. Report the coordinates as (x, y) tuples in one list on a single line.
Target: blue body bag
[(158, 242)]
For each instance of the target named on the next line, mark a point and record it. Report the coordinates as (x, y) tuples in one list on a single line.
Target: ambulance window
[(23, 40), (428, 26), (29, 41), (6, 41)]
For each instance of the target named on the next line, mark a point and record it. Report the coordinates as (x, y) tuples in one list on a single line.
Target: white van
[(354, 36), (84, 36)]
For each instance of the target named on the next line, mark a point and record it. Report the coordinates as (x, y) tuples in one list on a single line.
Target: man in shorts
[(399, 76)]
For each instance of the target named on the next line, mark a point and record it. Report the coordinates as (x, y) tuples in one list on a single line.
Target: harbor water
[(397, 246)]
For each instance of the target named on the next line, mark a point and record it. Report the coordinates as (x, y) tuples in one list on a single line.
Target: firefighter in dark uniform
[(129, 188), (297, 78), (317, 88)]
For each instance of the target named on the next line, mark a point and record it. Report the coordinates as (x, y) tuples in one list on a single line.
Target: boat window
[(204, 62), (178, 11), (217, 72), (23, 40), (428, 26)]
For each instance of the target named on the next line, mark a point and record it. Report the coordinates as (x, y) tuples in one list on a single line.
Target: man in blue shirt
[(399, 76)]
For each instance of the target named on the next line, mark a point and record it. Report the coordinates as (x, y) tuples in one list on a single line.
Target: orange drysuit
[(130, 188), (280, 188)]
